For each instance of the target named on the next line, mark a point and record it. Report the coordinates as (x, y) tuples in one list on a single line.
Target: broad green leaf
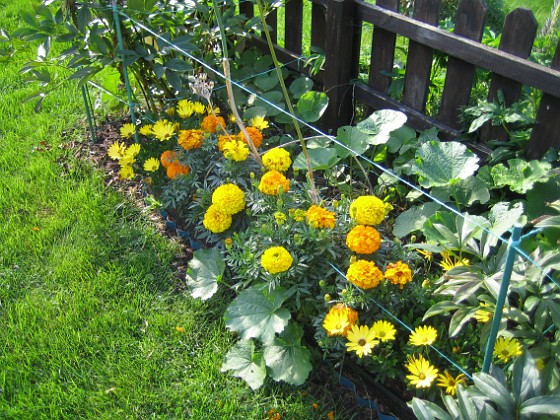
[(244, 363), (401, 137), (451, 405), (354, 139), (267, 81), (300, 86), (274, 97), (426, 410), (205, 270), (256, 313), (413, 219), (545, 404), (311, 105), (255, 111), (441, 163), (503, 218), (520, 175), (141, 5), (466, 406), (465, 192), (460, 318), (179, 65), (380, 124), (321, 159), (526, 380), (479, 122), (496, 391), (441, 308), (287, 359)]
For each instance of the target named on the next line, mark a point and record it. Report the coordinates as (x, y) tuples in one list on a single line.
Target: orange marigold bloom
[(175, 169), (363, 239), (364, 274), (168, 157), (272, 181), (191, 139), (254, 133), (319, 217), (398, 273), (211, 123), (224, 139)]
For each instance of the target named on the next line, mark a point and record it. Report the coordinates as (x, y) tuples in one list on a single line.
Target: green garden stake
[(88, 113), (125, 71), (504, 286)]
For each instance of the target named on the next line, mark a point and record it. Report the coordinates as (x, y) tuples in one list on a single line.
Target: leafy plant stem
[(313, 191), (365, 174)]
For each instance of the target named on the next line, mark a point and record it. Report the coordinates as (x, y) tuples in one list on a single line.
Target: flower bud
[(327, 297)]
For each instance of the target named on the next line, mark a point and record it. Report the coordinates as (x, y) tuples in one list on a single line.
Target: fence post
[(338, 69)]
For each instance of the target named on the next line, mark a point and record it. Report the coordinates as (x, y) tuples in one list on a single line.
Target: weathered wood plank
[(319, 27), (247, 8), (293, 25), (469, 23), (500, 62), (271, 20), (382, 51), (419, 59)]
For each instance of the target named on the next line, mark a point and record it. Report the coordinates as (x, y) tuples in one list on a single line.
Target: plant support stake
[(504, 286)]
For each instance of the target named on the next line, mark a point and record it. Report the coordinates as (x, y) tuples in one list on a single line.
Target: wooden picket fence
[(337, 29)]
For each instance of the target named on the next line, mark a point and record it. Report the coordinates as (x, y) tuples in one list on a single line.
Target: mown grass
[(89, 308)]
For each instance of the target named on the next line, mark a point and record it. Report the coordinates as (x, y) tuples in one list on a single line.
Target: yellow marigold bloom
[(363, 239), (297, 214), (258, 122), (422, 373), (236, 150), (254, 133), (163, 130), (272, 182), (168, 157), (200, 109), (398, 273), (450, 383), (368, 210), (190, 139), (132, 151), (146, 130), (151, 165), (175, 169), (340, 319), (484, 314), (277, 159), (276, 259), (318, 217), (450, 261), (423, 336), (117, 150), (361, 340), (127, 130), (211, 124), (185, 108), (215, 220), (229, 198), (364, 274), (280, 218), (126, 172), (384, 330), (224, 139), (507, 348)]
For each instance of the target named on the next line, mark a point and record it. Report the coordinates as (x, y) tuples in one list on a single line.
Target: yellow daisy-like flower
[(319, 218), (127, 130), (422, 373), (126, 172), (340, 319), (450, 261), (277, 159), (507, 348), (200, 109), (163, 130), (170, 112), (361, 340), (384, 330), (146, 130), (132, 151), (363, 239), (215, 220), (254, 133), (398, 273), (450, 383), (276, 259), (423, 336), (190, 139), (272, 182), (117, 150), (258, 122), (211, 124), (484, 314), (368, 210), (229, 198), (151, 165), (364, 274), (185, 108), (236, 150)]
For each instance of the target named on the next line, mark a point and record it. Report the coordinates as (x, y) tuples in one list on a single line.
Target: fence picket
[(382, 52), (293, 26)]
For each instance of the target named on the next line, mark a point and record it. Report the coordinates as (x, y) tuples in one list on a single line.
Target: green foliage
[(205, 271)]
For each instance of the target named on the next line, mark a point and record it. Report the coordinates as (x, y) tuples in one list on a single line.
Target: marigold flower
[(254, 133), (363, 239), (398, 273), (297, 214), (361, 340), (364, 274), (151, 165), (384, 330), (126, 172), (236, 150), (215, 220), (146, 130), (163, 130), (185, 108), (368, 210), (224, 139), (423, 335), (422, 372), (168, 157), (280, 218), (340, 319), (127, 130), (277, 159), (211, 124), (272, 182), (190, 139), (175, 169), (229, 198), (450, 383), (258, 122), (507, 348), (318, 217), (276, 259), (117, 150)]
